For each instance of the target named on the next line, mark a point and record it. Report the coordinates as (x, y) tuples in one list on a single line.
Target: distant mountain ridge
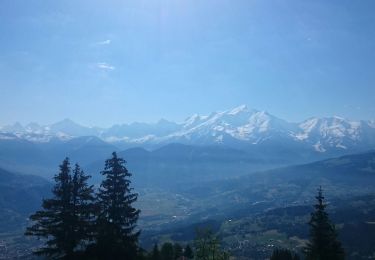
[(236, 127)]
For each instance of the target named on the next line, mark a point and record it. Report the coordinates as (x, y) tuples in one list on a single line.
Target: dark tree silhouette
[(283, 254), (177, 250), (116, 236), (188, 252), (323, 244), (167, 252), (83, 208), (64, 219), (155, 254)]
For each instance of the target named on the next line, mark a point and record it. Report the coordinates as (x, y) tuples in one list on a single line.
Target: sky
[(106, 62)]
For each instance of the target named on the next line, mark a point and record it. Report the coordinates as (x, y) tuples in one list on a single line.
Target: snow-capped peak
[(239, 109), (15, 128), (331, 132), (228, 127), (192, 119)]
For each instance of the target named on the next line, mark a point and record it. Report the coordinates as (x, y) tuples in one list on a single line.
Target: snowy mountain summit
[(239, 126)]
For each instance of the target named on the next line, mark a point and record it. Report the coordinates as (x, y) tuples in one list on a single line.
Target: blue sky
[(106, 62)]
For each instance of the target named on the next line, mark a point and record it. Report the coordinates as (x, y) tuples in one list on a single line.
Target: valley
[(253, 212)]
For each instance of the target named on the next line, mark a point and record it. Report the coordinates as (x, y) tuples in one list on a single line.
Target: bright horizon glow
[(119, 62)]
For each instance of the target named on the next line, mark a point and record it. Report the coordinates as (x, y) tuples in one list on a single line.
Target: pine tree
[(177, 250), (323, 244), (188, 252), (54, 222), (65, 219), (166, 251), (283, 254), (83, 208), (116, 237), (155, 254)]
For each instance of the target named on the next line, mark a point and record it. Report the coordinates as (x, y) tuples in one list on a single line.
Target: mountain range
[(240, 168), (240, 127)]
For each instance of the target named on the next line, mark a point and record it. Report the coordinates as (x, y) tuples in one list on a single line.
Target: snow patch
[(319, 148)]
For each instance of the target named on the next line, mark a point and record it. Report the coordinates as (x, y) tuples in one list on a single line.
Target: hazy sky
[(105, 62)]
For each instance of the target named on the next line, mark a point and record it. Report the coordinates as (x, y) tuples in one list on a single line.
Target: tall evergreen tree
[(56, 222), (53, 222), (167, 252), (323, 244), (116, 236), (177, 250), (283, 254), (155, 254), (83, 208), (188, 252)]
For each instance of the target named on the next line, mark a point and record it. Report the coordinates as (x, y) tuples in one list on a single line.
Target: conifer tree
[(155, 254), (66, 219), (323, 244), (167, 252), (116, 236), (188, 252), (177, 250), (283, 254), (83, 208)]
